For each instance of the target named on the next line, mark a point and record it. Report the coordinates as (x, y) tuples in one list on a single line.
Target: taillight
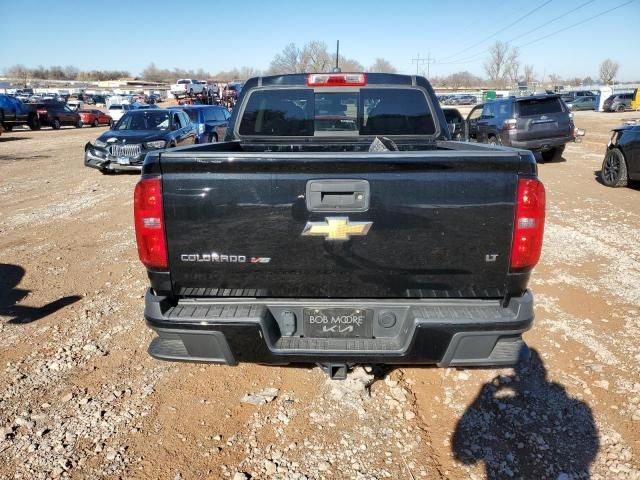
[(149, 221), (336, 79), (528, 227), (510, 124)]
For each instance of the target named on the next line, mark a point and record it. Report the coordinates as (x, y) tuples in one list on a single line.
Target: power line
[(520, 35), (576, 24), (467, 59), (531, 12)]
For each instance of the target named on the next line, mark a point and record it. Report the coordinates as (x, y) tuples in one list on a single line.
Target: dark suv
[(618, 102), (56, 115), (569, 97), (541, 123)]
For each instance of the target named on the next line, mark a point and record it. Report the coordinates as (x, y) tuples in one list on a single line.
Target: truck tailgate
[(441, 224)]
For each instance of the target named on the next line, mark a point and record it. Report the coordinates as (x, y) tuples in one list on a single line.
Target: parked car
[(231, 91), (622, 158), (210, 121), (464, 100), (618, 102), (582, 103), (540, 123), (141, 106), (570, 97), (14, 112), (456, 123), (95, 117), (137, 133), (186, 86), (293, 242), (472, 121), (99, 100), (75, 104), (117, 111), (57, 115)]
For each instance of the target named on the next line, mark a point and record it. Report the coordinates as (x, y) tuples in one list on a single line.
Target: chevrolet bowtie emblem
[(336, 228)]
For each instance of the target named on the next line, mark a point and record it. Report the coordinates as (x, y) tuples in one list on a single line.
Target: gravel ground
[(82, 399)]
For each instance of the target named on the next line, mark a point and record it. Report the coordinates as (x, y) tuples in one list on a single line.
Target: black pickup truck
[(339, 224), (14, 112)]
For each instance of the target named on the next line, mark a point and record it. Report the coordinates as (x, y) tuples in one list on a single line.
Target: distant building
[(132, 84)]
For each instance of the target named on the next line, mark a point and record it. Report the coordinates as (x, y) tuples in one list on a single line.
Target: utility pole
[(418, 61), (429, 61), (421, 61)]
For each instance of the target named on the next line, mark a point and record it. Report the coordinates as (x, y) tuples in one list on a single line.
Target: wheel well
[(624, 157)]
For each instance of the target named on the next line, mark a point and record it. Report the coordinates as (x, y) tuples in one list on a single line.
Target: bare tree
[(349, 65), (608, 71), (246, 73), (555, 79), (315, 57), (438, 81), (512, 67), (382, 66), (496, 65), (529, 75), (462, 80), (288, 61), (70, 72), (153, 74)]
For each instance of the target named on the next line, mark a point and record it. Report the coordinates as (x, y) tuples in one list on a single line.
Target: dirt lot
[(81, 398)]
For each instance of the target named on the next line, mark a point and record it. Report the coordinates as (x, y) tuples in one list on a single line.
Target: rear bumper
[(542, 144), (474, 333)]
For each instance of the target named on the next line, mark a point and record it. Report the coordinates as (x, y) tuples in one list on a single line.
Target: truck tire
[(493, 141), (614, 169), (55, 124), (213, 138), (34, 122), (620, 108), (553, 154)]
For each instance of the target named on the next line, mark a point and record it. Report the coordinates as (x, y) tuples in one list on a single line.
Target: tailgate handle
[(337, 195)]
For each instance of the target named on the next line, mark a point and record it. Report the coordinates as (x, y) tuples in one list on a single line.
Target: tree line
[(69, 72), (503, 68)]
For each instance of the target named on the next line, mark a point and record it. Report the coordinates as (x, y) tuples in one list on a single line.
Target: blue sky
[(196, 34)]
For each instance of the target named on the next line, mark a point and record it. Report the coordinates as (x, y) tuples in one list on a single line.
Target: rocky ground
[(81, 398)]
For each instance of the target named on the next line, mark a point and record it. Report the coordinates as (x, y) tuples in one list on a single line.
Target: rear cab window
[(364, 111), (539, 106)]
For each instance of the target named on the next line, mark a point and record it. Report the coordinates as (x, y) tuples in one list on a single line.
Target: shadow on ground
[(524, 426), (10, 295), (633, 184)]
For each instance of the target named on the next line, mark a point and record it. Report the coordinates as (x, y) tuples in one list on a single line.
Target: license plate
[(123, 160), (337, 323)]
